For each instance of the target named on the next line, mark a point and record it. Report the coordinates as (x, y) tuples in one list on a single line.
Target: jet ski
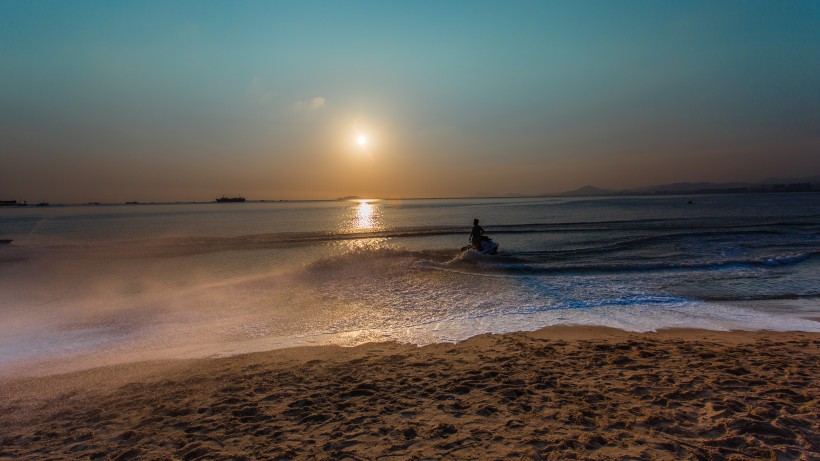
[(488, 246)]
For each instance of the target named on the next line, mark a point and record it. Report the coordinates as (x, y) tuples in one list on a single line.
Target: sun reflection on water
[(363, 217), (367, 216)]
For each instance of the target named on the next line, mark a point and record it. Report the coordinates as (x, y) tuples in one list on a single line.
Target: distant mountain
[(767, 185), (588, 191), (811, 180)]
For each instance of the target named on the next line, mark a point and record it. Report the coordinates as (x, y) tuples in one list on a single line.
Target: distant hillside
[(811, 180), (588, 191), (767, 185)]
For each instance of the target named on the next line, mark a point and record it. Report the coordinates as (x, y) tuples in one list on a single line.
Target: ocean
[(83, 286)]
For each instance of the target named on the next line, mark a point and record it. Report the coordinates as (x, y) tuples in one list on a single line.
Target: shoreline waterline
[(74, 363)]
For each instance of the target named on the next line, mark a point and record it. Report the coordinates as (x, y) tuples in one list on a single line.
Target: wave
[(653, 249), (762, 297), (773, 261), (520, 264), (512, 263), (644, 241)]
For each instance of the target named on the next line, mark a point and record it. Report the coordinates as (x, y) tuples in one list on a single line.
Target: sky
[(190, 100)]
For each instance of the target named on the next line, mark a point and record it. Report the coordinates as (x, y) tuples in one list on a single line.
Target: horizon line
[(622, 193)]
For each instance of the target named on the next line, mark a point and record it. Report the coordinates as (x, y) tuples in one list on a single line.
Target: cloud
[(259, 90), (311, 104), (318, 102)]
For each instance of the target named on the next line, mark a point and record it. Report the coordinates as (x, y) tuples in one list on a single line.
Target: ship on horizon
[(224, 199)]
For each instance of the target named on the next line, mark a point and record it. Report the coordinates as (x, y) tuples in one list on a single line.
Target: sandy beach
[(558, 393)]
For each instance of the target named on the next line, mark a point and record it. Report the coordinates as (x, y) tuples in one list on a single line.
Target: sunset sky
[(178, 100)]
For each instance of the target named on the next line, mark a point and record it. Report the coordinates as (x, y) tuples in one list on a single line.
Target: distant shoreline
[(523, 196)]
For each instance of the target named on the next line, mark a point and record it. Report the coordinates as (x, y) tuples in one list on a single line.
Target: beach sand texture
[(558, 393)]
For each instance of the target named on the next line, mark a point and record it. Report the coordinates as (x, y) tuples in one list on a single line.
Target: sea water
[(82, 286)]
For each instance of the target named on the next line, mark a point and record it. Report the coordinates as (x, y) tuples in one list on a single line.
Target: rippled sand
[(559, 393)]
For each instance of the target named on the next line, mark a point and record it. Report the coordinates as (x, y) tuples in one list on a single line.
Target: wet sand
[(558, 393)]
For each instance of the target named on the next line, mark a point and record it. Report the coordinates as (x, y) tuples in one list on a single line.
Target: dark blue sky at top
[(183, 100)]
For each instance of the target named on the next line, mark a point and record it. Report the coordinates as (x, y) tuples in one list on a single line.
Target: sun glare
[(362, 140)]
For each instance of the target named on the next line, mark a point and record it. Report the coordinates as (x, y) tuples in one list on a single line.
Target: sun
[(362, 140)]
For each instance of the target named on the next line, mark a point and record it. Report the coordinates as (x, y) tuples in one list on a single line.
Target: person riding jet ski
[(480, 242)]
